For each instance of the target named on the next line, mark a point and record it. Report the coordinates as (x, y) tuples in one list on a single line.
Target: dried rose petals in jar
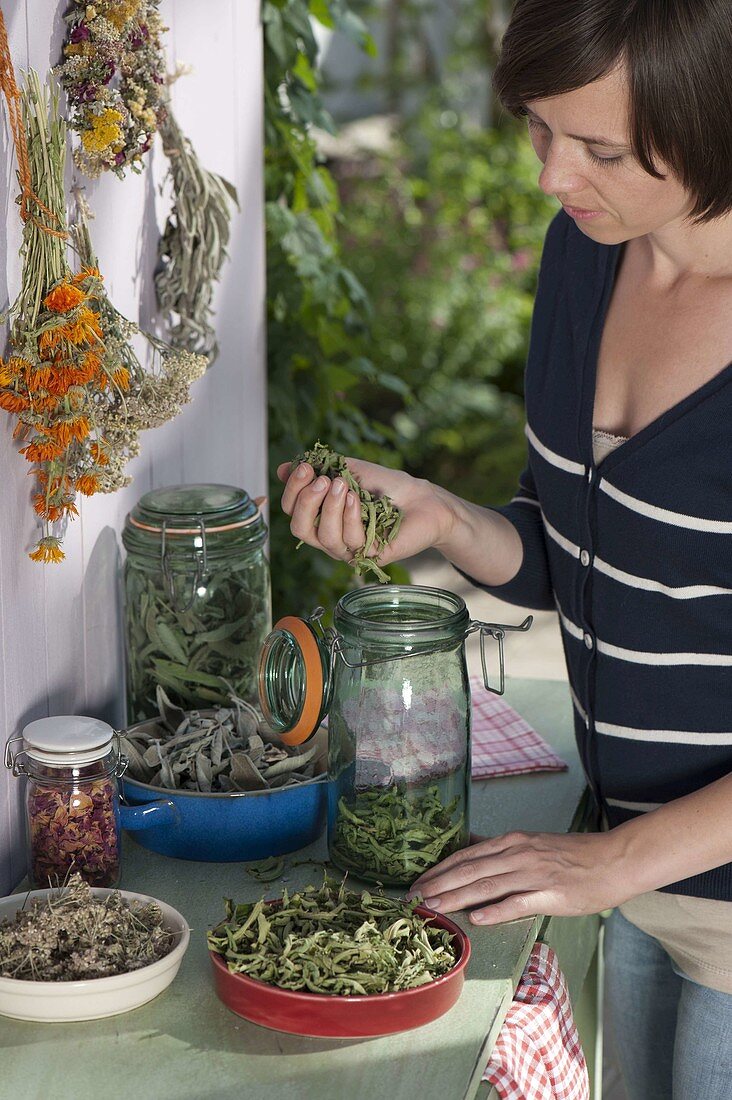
[(72, 800), (74, 826)]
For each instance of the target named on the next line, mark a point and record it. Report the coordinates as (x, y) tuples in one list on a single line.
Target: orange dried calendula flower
[(88, 484), (85, 329), (87, 273), (13, 402), (42, 449), (50, 340), (38, 379), (45, 509), (64, 297), (121, 378), (48, 550), (100, 453), (80, 428)]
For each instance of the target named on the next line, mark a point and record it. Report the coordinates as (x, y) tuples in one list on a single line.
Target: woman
[(623, 519)]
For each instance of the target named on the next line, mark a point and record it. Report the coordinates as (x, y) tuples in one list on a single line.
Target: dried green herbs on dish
[(333, 941), (228, 749)]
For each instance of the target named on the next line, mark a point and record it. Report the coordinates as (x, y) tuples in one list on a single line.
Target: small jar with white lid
[(71, 801)]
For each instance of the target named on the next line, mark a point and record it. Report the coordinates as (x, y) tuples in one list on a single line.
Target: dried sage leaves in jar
[(198, 653)]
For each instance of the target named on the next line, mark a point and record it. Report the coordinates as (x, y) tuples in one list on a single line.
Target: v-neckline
[(660, 422)]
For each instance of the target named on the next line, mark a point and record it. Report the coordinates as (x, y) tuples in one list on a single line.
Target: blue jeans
[(674, 1036)]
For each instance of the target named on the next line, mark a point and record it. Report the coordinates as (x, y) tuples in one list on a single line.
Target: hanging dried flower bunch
[(56, 374), (113, 74), (79, 393)]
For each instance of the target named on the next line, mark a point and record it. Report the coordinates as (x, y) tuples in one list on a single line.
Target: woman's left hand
[(523, 874)]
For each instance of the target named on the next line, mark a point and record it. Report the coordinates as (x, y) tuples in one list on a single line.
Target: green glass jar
[(392, 676), (197, 596)]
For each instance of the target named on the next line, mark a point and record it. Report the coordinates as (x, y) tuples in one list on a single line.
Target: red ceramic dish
[(321, 1016)]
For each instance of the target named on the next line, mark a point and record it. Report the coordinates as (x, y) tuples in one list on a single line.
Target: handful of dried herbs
[(333, 941), (215, 751), (380, 516), (74, 935), (394, 835)]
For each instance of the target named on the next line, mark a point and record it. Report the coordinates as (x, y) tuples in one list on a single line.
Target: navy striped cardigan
[(635, 554)]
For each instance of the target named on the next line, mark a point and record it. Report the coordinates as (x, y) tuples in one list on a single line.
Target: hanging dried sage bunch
[(334, 941), (192, 248), (380, 516), (146, 396)]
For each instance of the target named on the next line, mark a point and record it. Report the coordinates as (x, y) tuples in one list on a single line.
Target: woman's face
[(581, 138)]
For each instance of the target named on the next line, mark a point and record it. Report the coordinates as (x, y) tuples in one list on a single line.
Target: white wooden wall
[(60, 625)]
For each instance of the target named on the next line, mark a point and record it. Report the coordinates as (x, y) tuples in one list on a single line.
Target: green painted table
[(186, 1045)]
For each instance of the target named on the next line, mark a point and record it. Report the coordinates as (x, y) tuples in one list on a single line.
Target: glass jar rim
[(449, 622), (106, 766)]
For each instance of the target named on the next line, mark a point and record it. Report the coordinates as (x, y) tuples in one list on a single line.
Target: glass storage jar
[(71, 800), (392, 676), (197, 596)]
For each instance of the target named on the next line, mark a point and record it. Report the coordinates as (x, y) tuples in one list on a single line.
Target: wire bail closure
[(497, 631), (201, 555), (15, 763)]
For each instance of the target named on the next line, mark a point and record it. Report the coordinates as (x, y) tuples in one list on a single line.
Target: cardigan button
[(585, 558), (588, 640)]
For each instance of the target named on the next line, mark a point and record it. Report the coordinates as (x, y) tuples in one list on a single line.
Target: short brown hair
[(678, 54)]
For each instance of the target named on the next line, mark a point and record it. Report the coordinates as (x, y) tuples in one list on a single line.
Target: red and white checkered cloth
[(503, 743), (538, 1055)]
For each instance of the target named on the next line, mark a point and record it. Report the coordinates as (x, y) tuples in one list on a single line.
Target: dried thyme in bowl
[(73, 935), (380, 516), (333, 941)]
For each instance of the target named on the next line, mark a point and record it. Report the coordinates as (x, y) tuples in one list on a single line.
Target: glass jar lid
[(294, 679), (67, 739), (180, 509)]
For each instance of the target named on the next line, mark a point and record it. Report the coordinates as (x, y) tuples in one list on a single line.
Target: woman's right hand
[(426, 514)]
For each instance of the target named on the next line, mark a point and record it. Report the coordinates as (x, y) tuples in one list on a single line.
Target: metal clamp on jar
[(392, 677)]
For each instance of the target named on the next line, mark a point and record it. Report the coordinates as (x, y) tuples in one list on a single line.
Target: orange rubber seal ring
[(307, 723)]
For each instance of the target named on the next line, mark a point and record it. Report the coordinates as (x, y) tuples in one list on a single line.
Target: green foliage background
[(446, 238), (398, 296), (318, 314)]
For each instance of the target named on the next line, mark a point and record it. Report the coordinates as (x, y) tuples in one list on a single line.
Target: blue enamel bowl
[(225, 827)]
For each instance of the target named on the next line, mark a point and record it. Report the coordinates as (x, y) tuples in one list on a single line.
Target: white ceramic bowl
[(91, 998)]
